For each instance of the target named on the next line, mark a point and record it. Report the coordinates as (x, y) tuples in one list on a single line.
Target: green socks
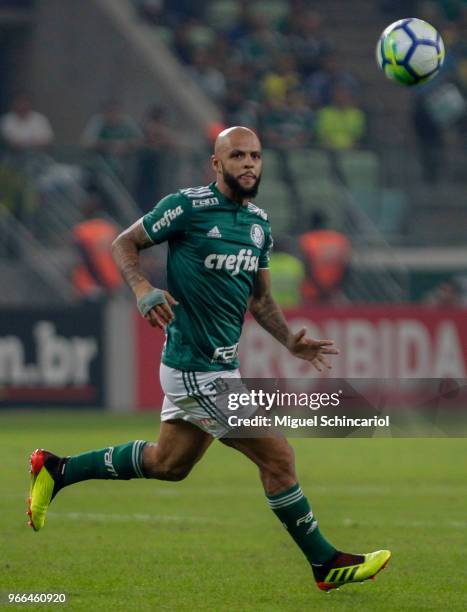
[(118, 462), (293, 509)]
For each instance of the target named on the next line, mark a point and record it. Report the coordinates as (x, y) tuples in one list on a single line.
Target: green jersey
[(216, 246)]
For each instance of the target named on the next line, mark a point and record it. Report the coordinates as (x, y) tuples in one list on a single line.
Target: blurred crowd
[(271, 68), (113, 136), (439, 109), (275, 71)]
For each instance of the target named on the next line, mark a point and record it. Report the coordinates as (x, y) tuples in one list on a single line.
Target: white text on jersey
[(205, 202), (245, 260), (167, 218)]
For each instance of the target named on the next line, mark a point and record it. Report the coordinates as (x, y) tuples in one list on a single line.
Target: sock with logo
[(120, 462), (293, 510)]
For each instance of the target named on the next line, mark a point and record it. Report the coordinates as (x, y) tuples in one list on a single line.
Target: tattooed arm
[(268, 314), (125, 251), (265, 310)]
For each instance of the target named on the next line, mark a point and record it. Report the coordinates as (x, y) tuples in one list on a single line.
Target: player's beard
[(236, 188)]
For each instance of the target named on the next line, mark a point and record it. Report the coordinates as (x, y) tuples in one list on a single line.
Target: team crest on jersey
[(257, 235)]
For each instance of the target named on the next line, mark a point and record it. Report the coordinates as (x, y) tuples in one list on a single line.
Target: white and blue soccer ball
[(410, 51)]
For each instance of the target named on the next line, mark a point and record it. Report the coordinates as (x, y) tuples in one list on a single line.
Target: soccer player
[(217, 267)]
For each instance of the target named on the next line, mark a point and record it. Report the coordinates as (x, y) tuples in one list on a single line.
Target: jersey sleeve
[(265, 254), (168, 219)]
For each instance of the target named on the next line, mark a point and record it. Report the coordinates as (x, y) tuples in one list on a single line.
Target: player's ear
[(215, 163)]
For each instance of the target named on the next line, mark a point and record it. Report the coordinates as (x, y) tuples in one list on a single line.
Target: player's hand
[(314, 351), (162, 314)]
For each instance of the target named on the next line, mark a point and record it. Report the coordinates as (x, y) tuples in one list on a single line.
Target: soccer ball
[(410, 51)]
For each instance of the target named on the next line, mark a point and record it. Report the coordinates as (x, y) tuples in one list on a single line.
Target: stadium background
[(393, 184), (395, 187)]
